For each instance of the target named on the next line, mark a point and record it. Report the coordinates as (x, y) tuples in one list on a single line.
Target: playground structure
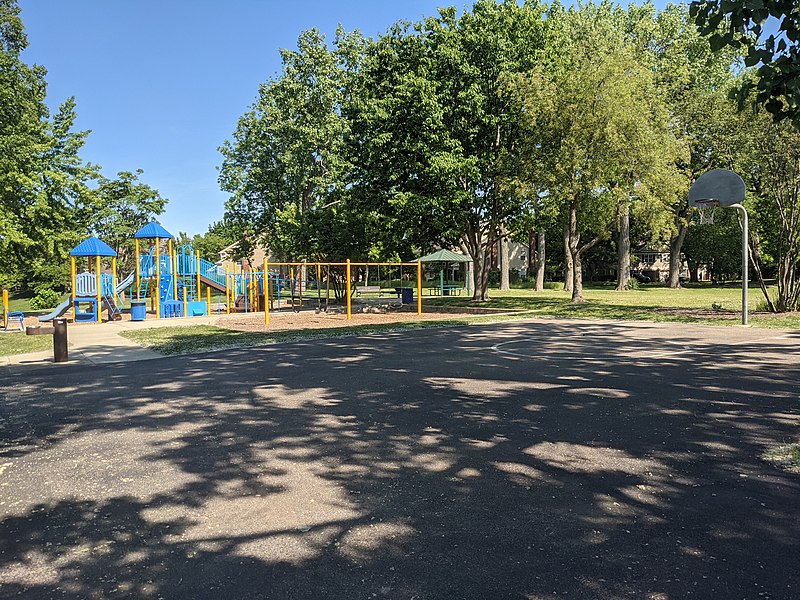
[(93, 290), (173, 278)]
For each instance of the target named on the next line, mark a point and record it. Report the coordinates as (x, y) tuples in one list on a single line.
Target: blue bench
[(16, 317)]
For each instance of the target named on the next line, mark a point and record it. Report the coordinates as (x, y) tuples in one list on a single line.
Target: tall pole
[(745, 259), (174, 269), (347, 291), (419, 287), (228, 290), (266, 291), (197, 262), (97, 278), (138, 270), (74, 274), (157, 290), (114, 279)]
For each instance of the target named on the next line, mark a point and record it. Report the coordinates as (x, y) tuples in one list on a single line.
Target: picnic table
[(445, 290)]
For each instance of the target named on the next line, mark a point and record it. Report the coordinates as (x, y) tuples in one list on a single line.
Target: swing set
[(288, 283)]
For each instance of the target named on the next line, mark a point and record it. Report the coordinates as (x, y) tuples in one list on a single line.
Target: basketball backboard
[(719, 187)]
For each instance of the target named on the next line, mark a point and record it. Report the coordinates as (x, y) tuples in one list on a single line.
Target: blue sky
[(161, 83)]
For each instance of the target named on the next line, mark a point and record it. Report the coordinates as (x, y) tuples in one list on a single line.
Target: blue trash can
[(138, 310), (407, 296)]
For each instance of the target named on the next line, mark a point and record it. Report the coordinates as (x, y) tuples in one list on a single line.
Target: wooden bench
[(367, 289)]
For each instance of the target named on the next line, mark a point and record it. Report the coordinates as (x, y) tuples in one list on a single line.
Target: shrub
[(45, 299)]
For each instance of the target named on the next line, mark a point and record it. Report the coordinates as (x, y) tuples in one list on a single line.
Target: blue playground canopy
[(151, 231), (92, 247)]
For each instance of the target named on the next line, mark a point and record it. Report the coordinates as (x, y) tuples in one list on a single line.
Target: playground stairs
[(186, 288), (114, 313), (144, 288)]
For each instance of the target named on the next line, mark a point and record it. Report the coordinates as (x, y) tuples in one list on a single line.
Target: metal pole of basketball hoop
[(721, 187), (745, 259)]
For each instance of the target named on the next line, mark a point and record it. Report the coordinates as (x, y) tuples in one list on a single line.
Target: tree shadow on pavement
[(528, 460)]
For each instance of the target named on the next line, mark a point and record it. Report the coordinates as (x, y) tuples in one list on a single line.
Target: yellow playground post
[(5, 309), (138, 270), (74, 275), (114, 279), (208, 300), (197, 262), (347, 287), (157, 290), (173, 255), (98, 285), (266, 291), (419, 287), (228, 290)]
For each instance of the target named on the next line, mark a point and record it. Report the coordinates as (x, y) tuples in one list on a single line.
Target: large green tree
[(123, 206), (595, 129), (288, 167), (23, 139), (441, 133), (49, 199), (45, 186), (774, 177), (693, 82)]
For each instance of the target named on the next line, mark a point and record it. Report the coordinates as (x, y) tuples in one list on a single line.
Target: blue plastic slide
[(66, 304), (60, 310)]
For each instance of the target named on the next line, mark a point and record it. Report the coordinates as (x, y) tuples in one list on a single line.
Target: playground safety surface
[(536, 459)]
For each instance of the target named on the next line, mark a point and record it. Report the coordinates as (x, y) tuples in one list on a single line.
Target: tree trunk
[(479, 250), (540, 262), (675, 247), (755, 258), (505, 283), (531, 253), (577, 278), (694, 268), (624, 247), (568, 266), (573, 239), (576, 252)]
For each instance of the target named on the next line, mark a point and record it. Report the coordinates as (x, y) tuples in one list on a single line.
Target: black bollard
[(60, 341)]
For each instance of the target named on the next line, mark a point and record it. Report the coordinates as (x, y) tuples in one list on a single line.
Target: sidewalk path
[(100, 344)]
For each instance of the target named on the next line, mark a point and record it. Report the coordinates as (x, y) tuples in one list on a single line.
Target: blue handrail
[(212, 272)]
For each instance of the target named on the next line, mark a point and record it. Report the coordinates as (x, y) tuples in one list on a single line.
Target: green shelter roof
[(444, 256)]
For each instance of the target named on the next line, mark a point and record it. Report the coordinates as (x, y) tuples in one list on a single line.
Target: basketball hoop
[(722, 187), (705, 211)]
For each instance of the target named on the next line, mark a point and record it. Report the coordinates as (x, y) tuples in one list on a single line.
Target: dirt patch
[(284, 321)]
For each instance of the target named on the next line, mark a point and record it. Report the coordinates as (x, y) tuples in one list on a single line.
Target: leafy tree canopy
[(769, 33)]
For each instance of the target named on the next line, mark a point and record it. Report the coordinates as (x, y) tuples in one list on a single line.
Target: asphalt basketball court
[(537, 459)]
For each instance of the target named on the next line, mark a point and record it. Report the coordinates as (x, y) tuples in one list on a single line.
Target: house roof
[(92, 247), (151, 231), (444, 256)]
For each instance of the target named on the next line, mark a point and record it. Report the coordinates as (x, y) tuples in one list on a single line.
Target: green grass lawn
[(695, 304), (649, 303), (19, 343), (22, 303), (200, 338)]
